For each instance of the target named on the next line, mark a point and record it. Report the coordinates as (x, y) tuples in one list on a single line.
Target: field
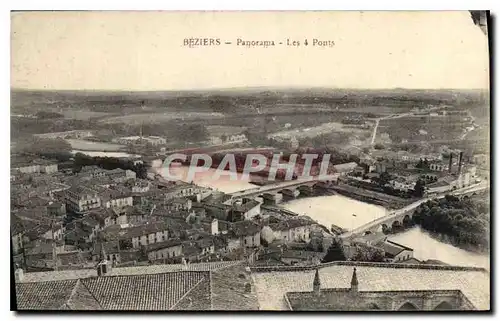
[(151, 118), (425, 128), (261, 110)]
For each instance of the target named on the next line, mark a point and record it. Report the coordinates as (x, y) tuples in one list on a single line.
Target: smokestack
[(451, 162), (460, 162)]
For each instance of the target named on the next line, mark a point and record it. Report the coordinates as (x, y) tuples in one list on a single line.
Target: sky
[(144, 50)]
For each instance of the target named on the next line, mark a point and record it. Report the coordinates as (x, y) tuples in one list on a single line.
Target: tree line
[(464, 221)]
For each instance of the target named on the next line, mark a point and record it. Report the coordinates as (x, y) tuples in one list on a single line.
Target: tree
[(384, 178), (419, 189), (335, 252)]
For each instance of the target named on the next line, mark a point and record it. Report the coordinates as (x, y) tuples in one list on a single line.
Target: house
[(111, 250), (438, 187), (155, 140), (81, 198), (190, 251), (116, 198), (164, 250), (131, 215), (237, 138), (86, 228), (395, 252), (182, 190), (48, 167), (17, 235), (139, 185), (247, 232), (307, 258), (145, 234), (105, 216), (56, 208), (438, 166), (116, 174), (344, 169), (178, 204), (206, 245), (228, 242), (293, 230), (371, 239), (402, 184), (244, 209)]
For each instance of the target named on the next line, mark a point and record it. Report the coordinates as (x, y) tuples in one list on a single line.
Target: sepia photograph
[(318, 161)]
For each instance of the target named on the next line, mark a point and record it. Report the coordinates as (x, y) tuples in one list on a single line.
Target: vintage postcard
[(213, 161)]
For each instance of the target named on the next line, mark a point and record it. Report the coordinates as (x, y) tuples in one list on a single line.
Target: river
[(224, 183), (348, 213), (342, 211), (426, 247)]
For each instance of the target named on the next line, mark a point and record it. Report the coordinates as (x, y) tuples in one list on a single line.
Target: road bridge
[(400, 217), (292, 186)]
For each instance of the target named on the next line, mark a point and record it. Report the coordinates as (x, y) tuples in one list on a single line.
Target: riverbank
[(371, 197), (429, 247)]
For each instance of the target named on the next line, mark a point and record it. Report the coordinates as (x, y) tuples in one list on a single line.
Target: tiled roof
[(291, 223), (163, 245), (131, 270), (345, 167), (228, 289), (245, 228), (54, 295), (160, 291), (272, 284), (81, 190), (392, 248), (143, 292), (144, 229)]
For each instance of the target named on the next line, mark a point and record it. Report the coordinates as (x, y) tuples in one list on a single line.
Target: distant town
[(95, 202)]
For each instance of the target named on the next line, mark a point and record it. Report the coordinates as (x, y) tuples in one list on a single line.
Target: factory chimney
[(451, 162), (460, 162)]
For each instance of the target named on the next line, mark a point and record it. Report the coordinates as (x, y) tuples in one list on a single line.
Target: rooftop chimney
[(451, 162), (19, 275), (460, 162)]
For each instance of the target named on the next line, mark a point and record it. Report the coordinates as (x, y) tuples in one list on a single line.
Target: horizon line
[(245, 88)]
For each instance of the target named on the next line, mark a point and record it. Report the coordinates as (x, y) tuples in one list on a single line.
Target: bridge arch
[(444, 306), (407, 306), (385, 229), (407, 221), (396, 226), (367, 233)]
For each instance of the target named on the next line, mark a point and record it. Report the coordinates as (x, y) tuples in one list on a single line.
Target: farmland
[(423, 128)]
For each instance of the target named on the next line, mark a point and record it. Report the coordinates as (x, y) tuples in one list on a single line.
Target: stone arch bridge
[(401, 217)]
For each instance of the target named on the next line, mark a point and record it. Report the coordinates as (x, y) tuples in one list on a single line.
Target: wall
[(166, 253), (404, 255)]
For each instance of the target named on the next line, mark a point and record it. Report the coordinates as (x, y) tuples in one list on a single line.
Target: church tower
[(316, 283)]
